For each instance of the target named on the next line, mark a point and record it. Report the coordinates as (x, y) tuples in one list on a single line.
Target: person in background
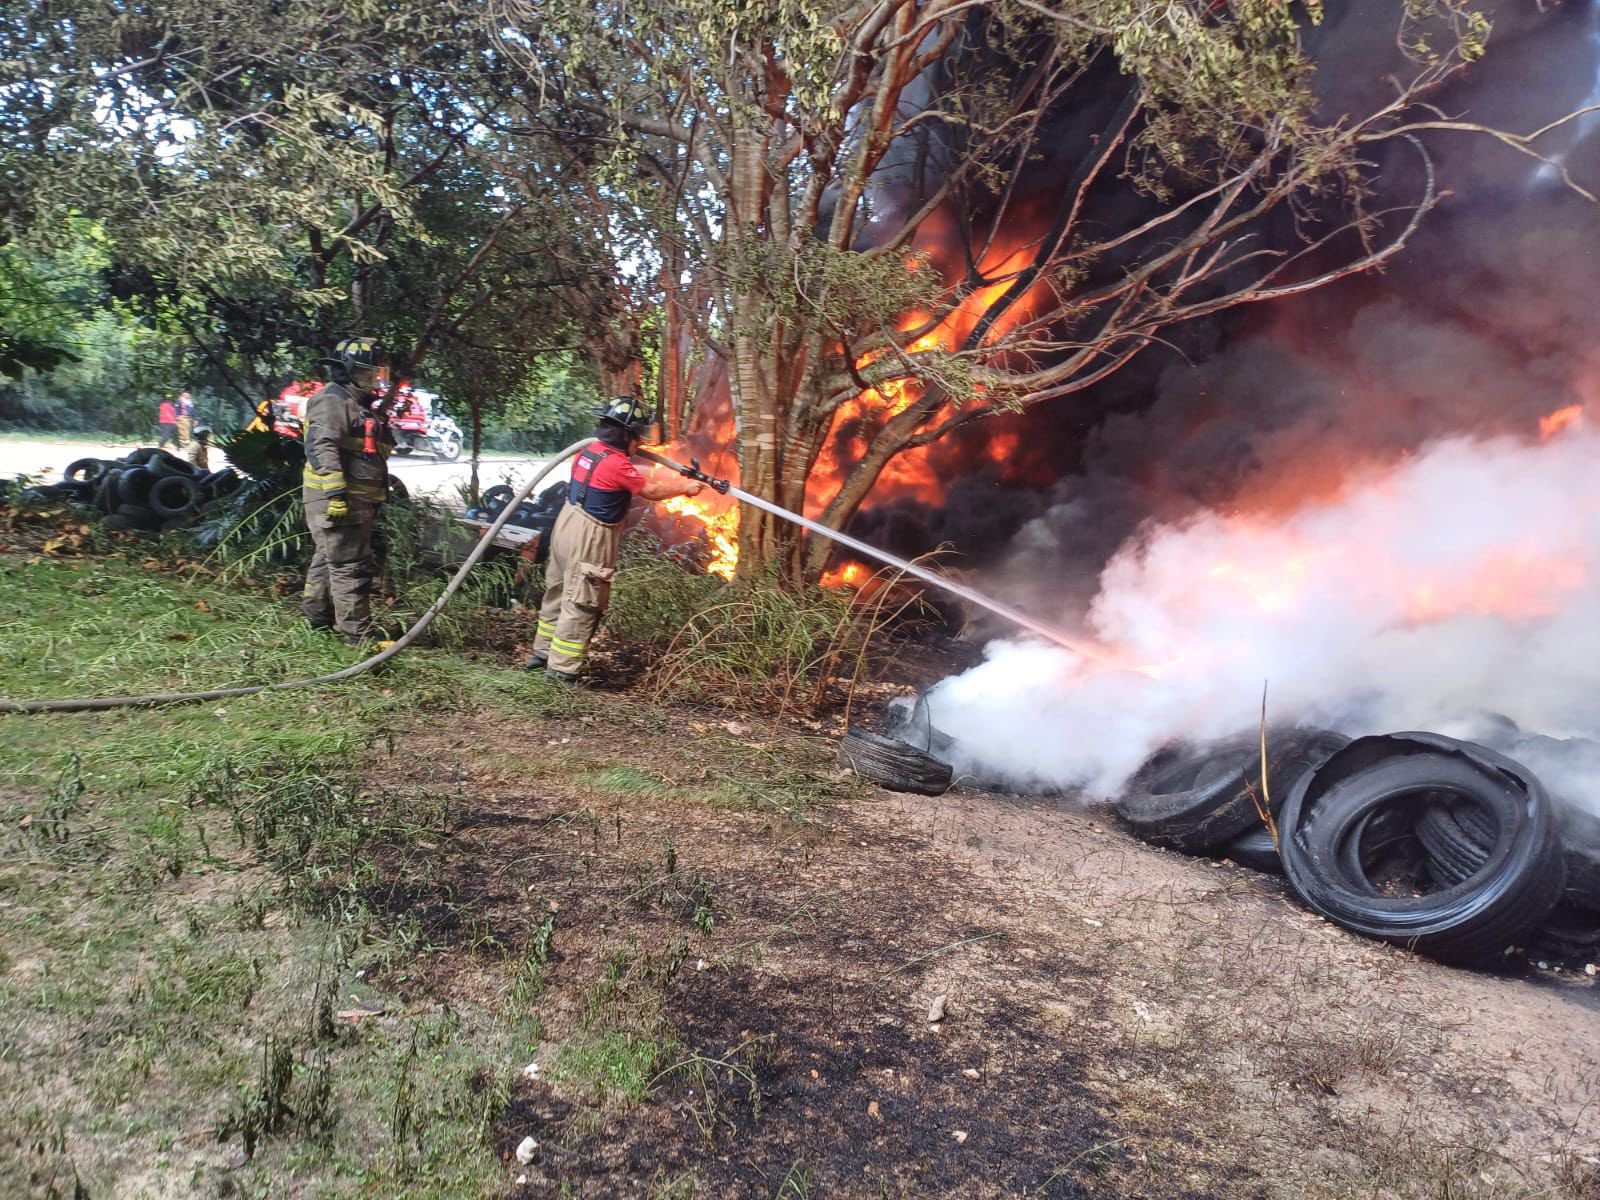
[(185, 418), (198, 451), (588, 536), (167, 424)]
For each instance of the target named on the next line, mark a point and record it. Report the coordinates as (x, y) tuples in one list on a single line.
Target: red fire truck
[(419, 422)]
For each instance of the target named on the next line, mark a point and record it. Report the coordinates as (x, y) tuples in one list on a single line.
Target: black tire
[(553, 499), (1469, 922), (133, 486), (116, 521), (1454, 855), (1474, 825), (1580, 846), (138, 516), (105, 497), (221, 483), (172, 523), (398, 493), (1459, 839), (1255, 850), (85, 470), (138, 458), (913, 724), (1568, 933), (449, 448), (496, 498), (175, 496), (1195, 800), (892, 764), (164, 464)]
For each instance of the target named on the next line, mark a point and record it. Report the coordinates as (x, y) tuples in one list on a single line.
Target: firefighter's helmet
[(356, 354), (201, 432), (630, 413)]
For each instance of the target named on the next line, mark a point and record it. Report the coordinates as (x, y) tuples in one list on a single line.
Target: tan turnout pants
[(338, 592), (577, 590)]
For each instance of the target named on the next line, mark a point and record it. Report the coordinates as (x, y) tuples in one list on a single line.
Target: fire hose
[(692, 471), (1088, 650), (90, 704)]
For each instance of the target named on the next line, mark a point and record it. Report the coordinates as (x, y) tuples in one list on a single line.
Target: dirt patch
[(756, 943)]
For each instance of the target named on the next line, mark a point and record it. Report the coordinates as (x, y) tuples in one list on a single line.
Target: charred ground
[(1120, 1022), (309, 945)]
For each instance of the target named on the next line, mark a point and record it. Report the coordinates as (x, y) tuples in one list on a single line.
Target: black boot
[(536, 662), (563, 679)]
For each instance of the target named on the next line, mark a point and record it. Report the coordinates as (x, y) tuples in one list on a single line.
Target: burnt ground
[(732, 949), (719, 950)]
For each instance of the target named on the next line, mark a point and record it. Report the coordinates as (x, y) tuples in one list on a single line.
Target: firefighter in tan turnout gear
[(588, 535), (347, 442)]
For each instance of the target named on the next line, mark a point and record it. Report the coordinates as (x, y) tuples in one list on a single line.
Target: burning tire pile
[(1442, 846), (147, 489)]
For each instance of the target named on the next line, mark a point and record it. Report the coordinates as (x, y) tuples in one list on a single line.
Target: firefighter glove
[(338, 508)]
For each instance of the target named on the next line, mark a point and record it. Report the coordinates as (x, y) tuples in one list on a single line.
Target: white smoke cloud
[(1462, 581)]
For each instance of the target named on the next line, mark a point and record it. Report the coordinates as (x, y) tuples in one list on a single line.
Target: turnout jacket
[(335, 424)]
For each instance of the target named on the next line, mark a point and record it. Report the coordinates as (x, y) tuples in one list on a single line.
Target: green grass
[(184, 895), (623, 781), (614, 1063), (753, 644), (192, 894)]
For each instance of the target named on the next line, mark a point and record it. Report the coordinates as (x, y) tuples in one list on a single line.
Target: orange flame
[(911, 473), (1562, 419), (721, 529), (852, 575)]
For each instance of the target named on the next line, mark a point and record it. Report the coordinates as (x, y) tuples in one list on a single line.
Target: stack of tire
[(147, 490), (1443, 846), (538, 514)]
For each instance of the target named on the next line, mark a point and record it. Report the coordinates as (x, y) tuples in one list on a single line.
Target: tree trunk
[(857, 486), (674, 380), (475, 411), (620, 381), (763, 538)]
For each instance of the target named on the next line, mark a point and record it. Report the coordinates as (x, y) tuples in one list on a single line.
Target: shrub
[(756, 643)]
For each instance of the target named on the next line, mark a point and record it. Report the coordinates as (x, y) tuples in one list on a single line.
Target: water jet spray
[(1088, 650)]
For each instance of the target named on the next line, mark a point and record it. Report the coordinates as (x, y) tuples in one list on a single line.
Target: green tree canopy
[(839, 198), (270, 178)]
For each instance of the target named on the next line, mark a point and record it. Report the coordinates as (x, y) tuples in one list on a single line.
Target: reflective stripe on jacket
[(334, 436)]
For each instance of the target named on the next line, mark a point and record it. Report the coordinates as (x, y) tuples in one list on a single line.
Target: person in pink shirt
[(167, 424)]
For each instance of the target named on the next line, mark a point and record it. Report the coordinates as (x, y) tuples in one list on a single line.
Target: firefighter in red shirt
[(588, 535)]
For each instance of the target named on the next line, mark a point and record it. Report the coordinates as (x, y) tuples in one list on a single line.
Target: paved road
[(423, 474)]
